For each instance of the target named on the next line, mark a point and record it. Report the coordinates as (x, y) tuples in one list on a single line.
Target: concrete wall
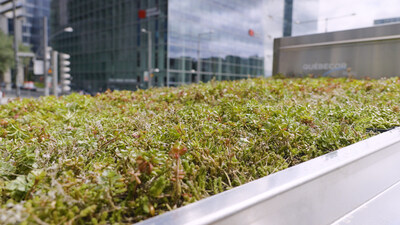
[(4, 24), (366, 52)]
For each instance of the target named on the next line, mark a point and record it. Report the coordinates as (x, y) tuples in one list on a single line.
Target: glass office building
[(32, 13), (190, 40), (288, 18), (214, 40), (32, 28)]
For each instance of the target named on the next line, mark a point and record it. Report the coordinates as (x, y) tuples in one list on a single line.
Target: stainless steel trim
[(359, 40), (319, 191), (387, 204)]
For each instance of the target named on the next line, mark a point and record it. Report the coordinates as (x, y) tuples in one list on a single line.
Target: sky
[(221, 26), (366, 11)]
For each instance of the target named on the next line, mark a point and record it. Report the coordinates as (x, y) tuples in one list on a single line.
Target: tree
[(6, 52), (24, 48)]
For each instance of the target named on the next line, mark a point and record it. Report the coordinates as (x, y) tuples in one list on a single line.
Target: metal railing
[(353, 185)]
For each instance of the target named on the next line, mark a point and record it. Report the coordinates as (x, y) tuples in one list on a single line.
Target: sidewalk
[(24, 94), (4, 100)]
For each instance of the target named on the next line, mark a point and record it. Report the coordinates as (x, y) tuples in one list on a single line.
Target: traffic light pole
[(54, 67), (149, 57), (16, 66), (46, 84)]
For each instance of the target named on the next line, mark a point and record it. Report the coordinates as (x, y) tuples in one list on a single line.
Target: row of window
[(120, 80), (180, 78), (235, 61)]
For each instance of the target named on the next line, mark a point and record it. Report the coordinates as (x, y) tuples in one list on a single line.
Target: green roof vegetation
[(126, 156)]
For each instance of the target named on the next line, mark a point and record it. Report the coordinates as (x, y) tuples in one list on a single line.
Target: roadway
[(9, 95)]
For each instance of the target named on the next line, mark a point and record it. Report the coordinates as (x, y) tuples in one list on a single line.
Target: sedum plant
[(122, 157)]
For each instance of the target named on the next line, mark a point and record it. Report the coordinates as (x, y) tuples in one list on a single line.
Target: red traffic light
[(251, 32), (142, 14)]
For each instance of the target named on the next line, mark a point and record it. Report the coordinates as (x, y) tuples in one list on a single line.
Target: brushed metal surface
[(319, 191), (352, 41), (382, 210), (366, 32)]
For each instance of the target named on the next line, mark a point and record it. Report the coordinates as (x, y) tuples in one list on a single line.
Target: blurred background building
[(288, 18), (30, 17), (32, 27), (191, 39), (387, 20), (220, 40), (28, 31)]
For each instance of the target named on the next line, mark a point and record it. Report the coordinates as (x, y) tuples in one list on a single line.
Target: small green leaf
[(88, 210), (158, 187)]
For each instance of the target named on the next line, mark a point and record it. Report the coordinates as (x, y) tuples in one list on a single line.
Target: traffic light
[(64, 73)]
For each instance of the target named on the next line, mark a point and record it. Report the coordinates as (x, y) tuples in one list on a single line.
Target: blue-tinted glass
[(222, 34), (108, 48)]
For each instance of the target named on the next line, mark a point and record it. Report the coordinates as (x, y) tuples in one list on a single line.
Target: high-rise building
[(288, 18), (28, 30), (190, 40), (32, 28), (30, 16), (387, 20), (300, 17)]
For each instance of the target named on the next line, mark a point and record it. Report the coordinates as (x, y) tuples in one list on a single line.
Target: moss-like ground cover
[(126, 156)]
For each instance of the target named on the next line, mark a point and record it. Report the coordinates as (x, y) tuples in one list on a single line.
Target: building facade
[(30, 17), (32, 28), (190, 39), (370, 52), (29, 28)]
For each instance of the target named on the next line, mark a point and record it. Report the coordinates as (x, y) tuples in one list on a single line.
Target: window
[(138, 59)]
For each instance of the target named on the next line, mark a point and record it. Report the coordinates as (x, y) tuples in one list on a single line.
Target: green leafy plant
[(122, 157)]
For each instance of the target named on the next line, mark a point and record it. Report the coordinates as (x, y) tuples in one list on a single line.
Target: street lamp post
[(46, 84), (198, 54), (149, 69), (326, 24), (44, 44), (54, 64), (326, 19), (337, 17)]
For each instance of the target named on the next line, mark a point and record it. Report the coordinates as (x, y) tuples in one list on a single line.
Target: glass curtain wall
[(212, 39), (107, 48), (34, 10)]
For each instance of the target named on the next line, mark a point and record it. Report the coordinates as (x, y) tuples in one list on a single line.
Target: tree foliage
[(6, 52), (24, 48)]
